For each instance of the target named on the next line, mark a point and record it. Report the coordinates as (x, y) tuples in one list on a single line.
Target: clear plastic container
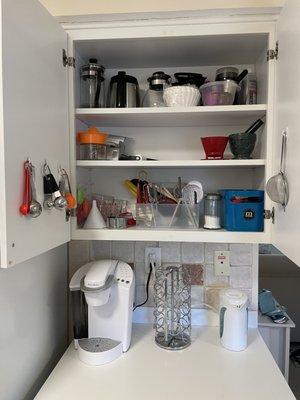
[(92, 151), (219, 93), (182, 216), (248, 93)]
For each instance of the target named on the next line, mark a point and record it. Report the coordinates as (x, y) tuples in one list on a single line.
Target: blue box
[(243, 210)]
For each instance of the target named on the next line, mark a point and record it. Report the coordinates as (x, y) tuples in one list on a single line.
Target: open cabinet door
[(286, 230), (33, 123)]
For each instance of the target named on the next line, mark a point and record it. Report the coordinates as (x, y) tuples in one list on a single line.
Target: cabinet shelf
[(256, 163), (168, 235), (172, 116)]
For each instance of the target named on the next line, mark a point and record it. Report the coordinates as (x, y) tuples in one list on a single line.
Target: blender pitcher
[(92, 85)]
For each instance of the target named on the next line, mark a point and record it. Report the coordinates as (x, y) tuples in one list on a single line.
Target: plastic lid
[(92, 135), (212, 196), (123, 77), (226, 70), (234, 297)]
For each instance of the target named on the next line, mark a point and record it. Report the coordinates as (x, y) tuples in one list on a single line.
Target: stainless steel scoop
[(277, 185)]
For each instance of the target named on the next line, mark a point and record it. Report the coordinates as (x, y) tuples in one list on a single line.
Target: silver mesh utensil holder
[(172, 314)]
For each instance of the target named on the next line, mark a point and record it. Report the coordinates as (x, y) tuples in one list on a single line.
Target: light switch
[(221, 263)]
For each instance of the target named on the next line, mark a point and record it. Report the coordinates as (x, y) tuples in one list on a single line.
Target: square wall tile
[(101, 249), (140, 273), (123, 251), (192, 252), (196, 273), (197, 295), (212, 280), (212, 296), (210, 249), (241, 277), (170, 251), (240, 254), (139, 250)]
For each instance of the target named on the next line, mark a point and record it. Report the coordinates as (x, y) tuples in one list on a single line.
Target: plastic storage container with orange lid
[(92, 144)]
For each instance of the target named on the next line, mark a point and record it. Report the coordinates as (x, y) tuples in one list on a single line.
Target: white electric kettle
[(233, 319)]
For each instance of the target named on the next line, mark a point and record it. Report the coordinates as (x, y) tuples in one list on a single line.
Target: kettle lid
[(234, 298), (123, 77)]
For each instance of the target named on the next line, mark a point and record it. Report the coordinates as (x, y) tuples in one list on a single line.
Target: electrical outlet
[(156, 251), (221, 263)]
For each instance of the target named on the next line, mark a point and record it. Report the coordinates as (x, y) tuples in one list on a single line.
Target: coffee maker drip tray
[(98, 351)]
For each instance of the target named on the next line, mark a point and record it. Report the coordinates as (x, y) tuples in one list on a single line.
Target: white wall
[(33, 328), (78, 7)]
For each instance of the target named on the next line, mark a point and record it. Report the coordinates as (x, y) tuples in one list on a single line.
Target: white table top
[(205, 371)]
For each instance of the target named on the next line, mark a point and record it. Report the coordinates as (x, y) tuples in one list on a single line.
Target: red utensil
[(214, 146), (24, 208)]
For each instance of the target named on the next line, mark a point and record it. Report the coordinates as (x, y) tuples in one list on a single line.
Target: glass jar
[(91, 144), (154, 95), (212, 211), (92, 85), (92, 151)]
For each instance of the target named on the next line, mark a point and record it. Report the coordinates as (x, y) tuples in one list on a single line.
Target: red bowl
[(214, 146)]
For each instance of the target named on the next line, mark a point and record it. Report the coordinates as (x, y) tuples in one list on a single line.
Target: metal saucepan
[(277, 185)]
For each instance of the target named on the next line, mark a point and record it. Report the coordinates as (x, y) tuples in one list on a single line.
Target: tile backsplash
[(197, 256)]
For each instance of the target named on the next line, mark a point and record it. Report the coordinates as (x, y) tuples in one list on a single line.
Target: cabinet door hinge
[(270, 214), (67, 61), (273, 54)]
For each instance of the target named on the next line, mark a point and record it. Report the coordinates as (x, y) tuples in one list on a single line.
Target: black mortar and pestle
[(242, 144)]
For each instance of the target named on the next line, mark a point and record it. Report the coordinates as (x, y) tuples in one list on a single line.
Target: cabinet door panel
[(286, 230), (34, 124)]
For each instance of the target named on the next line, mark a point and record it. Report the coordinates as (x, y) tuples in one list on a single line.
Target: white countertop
[(204, 371)]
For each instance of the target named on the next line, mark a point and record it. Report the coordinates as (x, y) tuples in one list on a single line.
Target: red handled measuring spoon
[(24, 208)]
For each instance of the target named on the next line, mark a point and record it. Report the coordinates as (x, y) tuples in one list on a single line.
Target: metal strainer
[(277, 185)]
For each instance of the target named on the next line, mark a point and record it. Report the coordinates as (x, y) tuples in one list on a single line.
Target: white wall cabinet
[(37, 124)]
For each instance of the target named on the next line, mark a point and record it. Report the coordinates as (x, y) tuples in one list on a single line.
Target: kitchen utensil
[(224, 73), (214, 146), (212, 211), (241, 76), (242, 144), (277, 186), (189, 78), (219, 93), (51, 189), (233, 319), (192, 193), (116, 222), (255, 126), (92, 144), (181, 96), (172, 313), (92, 84), (24, 208), (123, 91), (65, 189), (35, 208), (94, 219), (154, 94), (248, 93)]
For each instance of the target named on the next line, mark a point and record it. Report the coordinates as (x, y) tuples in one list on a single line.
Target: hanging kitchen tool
[(277, 185), (24, 208), (35, 208), (51, 189), (65, 188)]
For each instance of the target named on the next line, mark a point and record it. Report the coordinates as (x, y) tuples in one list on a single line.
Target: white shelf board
[(167, 235), (172, 164), (172, 116)]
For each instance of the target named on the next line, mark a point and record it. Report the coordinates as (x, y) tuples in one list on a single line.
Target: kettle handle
[(121, 93), (222, 314)]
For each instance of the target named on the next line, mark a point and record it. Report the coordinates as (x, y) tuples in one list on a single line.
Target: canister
[(91, 144), (212, 211)]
